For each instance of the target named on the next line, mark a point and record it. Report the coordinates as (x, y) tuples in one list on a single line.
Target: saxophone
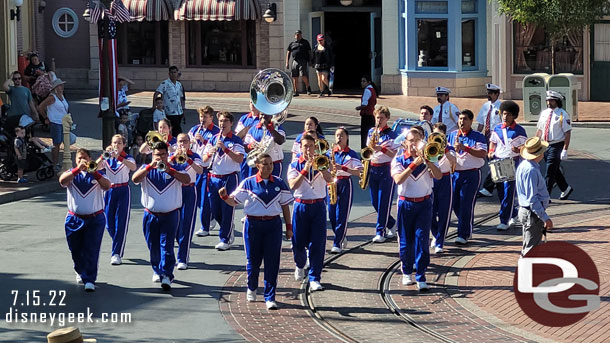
[(332, 186), (367, 155)]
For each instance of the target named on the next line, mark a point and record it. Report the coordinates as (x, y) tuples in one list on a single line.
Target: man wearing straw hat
[(532, 194)]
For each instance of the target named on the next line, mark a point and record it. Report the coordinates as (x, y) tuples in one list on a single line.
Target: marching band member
[(117, 200), (200, 135), (506, 141), (443, 195), (164, 127), (245, 123), (488, 118), (346, 164), (162, 200), (380, 180), (414, 177), (85, 220), (311, 123), (264, 197), (191, 165), (445, 111), (555, 127), (255, 137), (309, 214), (425, 118), (471, 148), (225, 151)]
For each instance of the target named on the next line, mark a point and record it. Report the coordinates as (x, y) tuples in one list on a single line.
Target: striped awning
[(150, 10), (219, 10)]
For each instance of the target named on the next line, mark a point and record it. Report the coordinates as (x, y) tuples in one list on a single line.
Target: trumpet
[(161, 166), (153, 137), (92, 165), (108, 154), (320, 160), (181, 158), (435, 147)]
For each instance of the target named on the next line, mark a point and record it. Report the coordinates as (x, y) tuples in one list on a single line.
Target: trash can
[(566, 84), (534, 95)]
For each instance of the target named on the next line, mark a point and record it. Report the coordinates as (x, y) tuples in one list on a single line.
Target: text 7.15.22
[(38, 298)]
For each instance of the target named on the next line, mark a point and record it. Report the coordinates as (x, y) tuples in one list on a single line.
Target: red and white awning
[(149, 10), (219, 10)]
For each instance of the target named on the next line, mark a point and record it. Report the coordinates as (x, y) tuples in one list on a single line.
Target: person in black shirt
[(323, 61), (301, 54)]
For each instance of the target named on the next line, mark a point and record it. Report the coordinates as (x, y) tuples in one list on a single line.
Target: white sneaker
[(335, 250), (156, 278), (202, 233), (213, 223), (391, 232), (315, 286), (407, 280), (222, 246), (299, 274), (344, 243), (243, 220), (378, 239), (502, 227), (166, 284), (271, 305), (115, 260), (438, 250), (461, 240), (251, 295), (89, 287), (485, 192), (422, 286), (433, 243), (513, 221), (182, 266), (566, 194), (79, 280)]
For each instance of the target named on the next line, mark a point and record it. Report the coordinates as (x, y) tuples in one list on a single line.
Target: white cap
[(443, 90), (492, 87), (554, 95)]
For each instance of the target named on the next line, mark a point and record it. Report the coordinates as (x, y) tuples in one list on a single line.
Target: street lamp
[(271, 13), (345, 2), (16, 14)]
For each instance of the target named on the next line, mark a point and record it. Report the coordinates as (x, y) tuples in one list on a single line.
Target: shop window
[(432, 42), (221, 43), (468, 43), (469, 6), (431, 7), (143, 43), (65, 22), (532, 51)]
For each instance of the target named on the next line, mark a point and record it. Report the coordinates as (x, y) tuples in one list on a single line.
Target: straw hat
[(533, 148), (67, 335), (56, 83)]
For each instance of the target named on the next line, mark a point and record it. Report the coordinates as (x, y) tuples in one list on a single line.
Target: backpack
[(145, 121)]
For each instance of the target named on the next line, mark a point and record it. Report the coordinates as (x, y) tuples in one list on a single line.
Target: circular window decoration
[(65, 22)]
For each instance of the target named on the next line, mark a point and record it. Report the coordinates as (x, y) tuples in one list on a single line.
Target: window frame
[(123, 43), (198, 49), (60, 12)]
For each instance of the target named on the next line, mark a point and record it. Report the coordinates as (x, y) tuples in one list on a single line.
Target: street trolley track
[(383, 289)]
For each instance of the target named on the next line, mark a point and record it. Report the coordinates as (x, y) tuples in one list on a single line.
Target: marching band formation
[(434, 165)]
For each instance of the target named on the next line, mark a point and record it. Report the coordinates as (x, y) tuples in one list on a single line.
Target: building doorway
[(350, 36), (600, 62)]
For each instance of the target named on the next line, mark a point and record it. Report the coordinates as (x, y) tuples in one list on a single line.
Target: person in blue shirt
[(532, 194)]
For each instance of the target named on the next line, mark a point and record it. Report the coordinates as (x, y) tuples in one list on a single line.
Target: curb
[(45, 188)]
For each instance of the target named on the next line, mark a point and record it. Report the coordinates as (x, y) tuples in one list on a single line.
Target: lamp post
[(16, 14)]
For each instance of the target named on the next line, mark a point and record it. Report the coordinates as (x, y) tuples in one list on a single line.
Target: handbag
[(42, 86)]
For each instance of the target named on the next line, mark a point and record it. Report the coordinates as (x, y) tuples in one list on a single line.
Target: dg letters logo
[(557, 284)]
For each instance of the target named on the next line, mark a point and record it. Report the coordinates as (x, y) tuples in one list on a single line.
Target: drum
[(401, 127), (502, 170)]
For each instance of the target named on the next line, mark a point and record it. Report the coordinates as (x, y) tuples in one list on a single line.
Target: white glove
[(564, 155)]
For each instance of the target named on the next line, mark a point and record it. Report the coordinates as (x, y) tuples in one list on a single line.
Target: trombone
[(435, 147)]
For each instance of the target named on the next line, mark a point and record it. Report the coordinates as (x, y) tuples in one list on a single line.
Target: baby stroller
[(36, 161)]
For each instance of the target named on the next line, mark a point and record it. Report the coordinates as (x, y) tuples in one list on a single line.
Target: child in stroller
[(35, 157)]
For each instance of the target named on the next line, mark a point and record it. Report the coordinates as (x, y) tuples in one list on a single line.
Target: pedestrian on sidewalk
[(367, 108), (301, 54), (264, 197), (555, 127), (85, 220), (55, 107), (21, 153), (173, 96), (414, 176), (488, 118), (21, 101), (506, 141), (532, 194), (323, 60), (445, 111), (162, 200)]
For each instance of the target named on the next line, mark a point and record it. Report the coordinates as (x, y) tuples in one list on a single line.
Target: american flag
[(95, 11), (119, 11)]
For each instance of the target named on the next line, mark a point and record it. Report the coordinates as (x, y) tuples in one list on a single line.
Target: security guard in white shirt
[(555, 127), (488, 118), (445, 112)]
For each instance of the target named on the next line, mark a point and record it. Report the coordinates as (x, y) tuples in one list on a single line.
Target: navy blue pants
[(441, 208), (220, 210), (552, 157), (117, 203), (506, 194), (188, 213), (263, 242), (382, 194), (160, 233), (309, 225), (465, 188), (84, 236), (413, 231), (203, 199), (338, 214)]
